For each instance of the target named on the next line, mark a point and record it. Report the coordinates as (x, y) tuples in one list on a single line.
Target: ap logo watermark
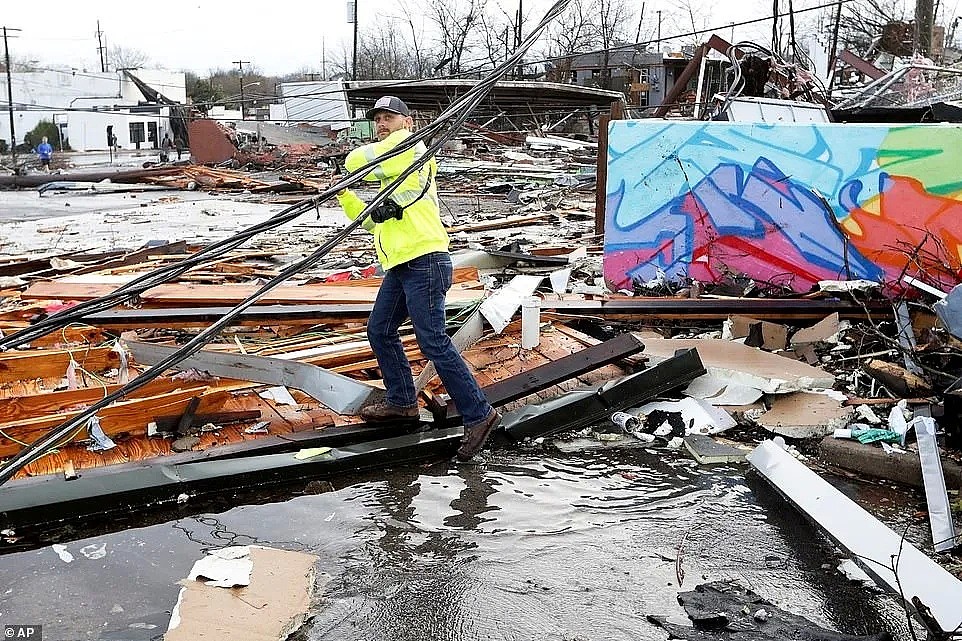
[(32, 632)]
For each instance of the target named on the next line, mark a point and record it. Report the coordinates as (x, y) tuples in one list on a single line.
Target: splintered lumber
[(125, 417), (23, 408), (500, 223), (226, 294), (18, 366)]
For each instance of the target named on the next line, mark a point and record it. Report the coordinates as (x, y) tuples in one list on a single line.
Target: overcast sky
[(282, 37)]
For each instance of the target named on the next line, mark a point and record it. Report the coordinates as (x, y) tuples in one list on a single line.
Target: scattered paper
[(61, 551), (224, 568), (279, 394), (311, 452)]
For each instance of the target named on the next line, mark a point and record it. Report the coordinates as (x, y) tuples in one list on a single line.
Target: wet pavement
[(530, 545)]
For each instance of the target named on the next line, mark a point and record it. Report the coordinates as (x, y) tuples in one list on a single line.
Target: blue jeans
[(422, 282)]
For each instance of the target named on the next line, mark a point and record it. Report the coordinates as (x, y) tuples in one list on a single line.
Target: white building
[(84, 104)]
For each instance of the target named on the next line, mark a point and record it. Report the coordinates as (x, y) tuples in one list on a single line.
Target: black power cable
[(457, 113)]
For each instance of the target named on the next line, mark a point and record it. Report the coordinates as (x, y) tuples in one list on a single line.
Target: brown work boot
[(383, 412), (475, 436)]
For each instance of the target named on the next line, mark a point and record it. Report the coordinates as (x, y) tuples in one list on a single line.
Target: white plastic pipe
[(530, 322)]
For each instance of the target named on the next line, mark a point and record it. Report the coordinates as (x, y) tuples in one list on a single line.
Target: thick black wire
[(483, 68), (458, 112)]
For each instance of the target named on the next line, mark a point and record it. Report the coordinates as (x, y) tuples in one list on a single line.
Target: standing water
[(526, 546)]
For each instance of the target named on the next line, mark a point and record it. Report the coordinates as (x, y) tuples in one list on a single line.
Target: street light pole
[(240, 64), (13, 136)]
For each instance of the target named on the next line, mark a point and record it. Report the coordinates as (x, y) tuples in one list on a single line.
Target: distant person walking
[(45, 151), (179, 145), (165, 147)]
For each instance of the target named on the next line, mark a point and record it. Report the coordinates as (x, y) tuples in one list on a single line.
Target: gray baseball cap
[(388, 103)]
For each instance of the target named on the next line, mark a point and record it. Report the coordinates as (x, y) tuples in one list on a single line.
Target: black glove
[(386, 211)]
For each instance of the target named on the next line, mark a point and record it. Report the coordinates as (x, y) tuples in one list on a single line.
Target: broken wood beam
[(585, 407), (563, 369), (255, 315), (29, 365)]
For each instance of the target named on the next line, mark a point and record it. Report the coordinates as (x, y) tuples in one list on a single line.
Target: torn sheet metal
[(342, 394), (581, 408), (936, 496), (880, 551), (101, 442), (559, 280), (469, 333), (500, 307), (139, 486), (949, 311)]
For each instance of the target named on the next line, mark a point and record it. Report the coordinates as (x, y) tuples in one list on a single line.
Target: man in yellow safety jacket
[(412, 247)]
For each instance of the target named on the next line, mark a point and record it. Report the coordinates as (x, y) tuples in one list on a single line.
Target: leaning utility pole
[(101, 49), (240, 64), (924, 15), (519, 71), (13, 135)]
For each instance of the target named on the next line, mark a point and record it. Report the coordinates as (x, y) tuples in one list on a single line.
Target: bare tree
[(692, 18), (573, 31), (862, 22), (383, 53), (457, 24), (614, 20), (127, 58)]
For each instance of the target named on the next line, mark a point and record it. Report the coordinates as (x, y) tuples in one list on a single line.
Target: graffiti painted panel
[(785, 204)]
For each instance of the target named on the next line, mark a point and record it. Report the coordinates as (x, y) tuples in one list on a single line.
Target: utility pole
[(240, 64), (659, 29), (101, 50), (352, 19), (924, 14), (833, 53), (519, 72), (323, 59), (13, 135)]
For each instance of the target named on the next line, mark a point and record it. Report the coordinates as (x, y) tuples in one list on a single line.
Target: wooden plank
[(229, 293), (501, 223), (25, 365), (14, 409), (126, 417)]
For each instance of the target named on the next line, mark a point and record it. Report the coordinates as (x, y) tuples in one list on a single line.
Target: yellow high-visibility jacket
[(419, 231)]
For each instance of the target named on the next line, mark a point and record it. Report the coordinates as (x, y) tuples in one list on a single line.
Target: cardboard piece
[(744, 365), (804, 415), (270, 608), (824, 331), (758, 333), (720, 392)]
